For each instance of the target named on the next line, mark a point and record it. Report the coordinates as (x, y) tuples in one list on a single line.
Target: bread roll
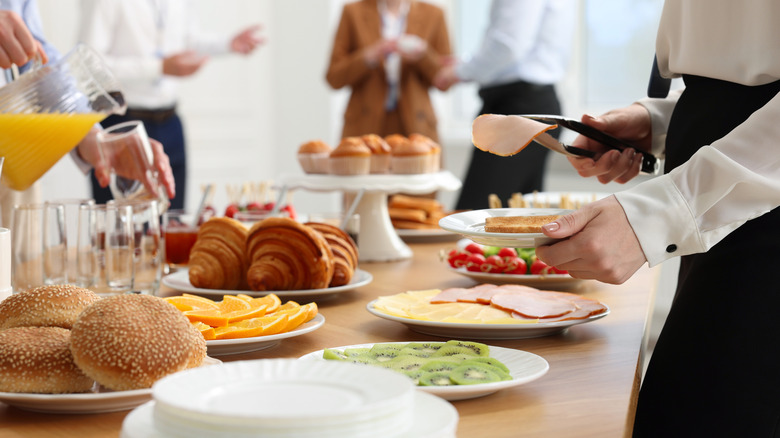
[(130, 341), (45, 306), (38, 360), (518, 224), (218, 259)]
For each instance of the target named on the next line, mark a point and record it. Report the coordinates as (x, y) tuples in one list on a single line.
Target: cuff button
[(671, 248)]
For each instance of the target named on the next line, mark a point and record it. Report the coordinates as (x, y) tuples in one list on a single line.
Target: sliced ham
[(505, 135), (450, 295), (480, 294), (533, 304)]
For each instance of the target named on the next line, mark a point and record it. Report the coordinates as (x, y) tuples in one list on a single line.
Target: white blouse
[(736, 178)]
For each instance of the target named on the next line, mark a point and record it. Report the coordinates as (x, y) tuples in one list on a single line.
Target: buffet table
[(589, 391)]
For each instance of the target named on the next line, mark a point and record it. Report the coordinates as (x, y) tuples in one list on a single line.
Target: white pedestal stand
[(377, 241)]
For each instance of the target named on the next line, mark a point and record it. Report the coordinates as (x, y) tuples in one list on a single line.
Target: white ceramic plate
[(180, 280), (225, 347), (471, 224), (103, 400), (454, 330), (523, 367), (550, 281), (433, 417), (553, 199)]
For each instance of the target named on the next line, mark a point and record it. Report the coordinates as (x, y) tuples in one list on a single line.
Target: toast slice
[(517, 224)]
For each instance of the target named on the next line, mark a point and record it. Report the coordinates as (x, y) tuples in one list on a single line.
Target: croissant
[(344, 250), (218, 259), (287, 255)]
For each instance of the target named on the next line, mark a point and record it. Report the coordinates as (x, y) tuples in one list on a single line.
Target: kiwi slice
[(452, 350), (384, 352), (333, 354), (470, 374), (349, 352), (414, 375), (421, 349), (492, 361), (435, 379), (406, 363), (439, 366), (478, 349), (363, 359)]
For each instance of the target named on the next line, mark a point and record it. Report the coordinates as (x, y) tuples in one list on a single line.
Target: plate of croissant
[(278, 255)]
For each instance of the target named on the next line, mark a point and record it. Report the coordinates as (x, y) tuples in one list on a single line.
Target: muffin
[(314, 155), (380, 153), (351, 157), (435, 163), (411, 157), (395, 140)]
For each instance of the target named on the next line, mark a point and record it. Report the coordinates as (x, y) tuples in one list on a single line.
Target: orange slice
[(231, 303), (271, 300), (295, 317), (193, 302), (289, 305), (245, 329), (272, 324), (206, 330), (240, 315), (212, 317), (245, 297), (313, 311)]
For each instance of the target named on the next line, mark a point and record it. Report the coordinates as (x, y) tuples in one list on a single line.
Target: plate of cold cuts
[(488, 311)]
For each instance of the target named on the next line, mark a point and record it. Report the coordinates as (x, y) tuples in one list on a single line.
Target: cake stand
[(378, 240)]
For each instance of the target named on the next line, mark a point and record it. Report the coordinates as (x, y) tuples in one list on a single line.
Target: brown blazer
[(360, 27)]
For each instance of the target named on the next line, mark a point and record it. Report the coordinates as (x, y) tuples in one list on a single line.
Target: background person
[(388, 52), (149, 45), (525, 50)]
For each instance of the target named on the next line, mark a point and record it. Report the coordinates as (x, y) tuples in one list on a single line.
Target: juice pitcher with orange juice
[(47, 111)]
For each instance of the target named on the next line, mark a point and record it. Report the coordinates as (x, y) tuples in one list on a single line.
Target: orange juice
[(33, 143)]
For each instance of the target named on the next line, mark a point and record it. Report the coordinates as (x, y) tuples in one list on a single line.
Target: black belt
[(156, 116)]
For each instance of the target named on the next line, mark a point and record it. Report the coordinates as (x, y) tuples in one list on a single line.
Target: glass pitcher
[(47, 111)]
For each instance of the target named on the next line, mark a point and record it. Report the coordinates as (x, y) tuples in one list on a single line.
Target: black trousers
[(523, 172), (715, 371), (170, 133)]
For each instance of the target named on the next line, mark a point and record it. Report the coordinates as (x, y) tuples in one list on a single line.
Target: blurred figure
[(21, 39), (525, 51), (388, 52), (149, 45)]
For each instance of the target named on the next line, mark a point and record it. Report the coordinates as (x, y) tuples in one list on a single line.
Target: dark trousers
[(170, 133), (715, 371), (522, 172)]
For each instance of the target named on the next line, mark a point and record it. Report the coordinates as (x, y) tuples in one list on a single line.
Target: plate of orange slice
[(242, 323)]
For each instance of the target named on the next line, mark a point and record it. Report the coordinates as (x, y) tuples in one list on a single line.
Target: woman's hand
[(631, 124), (599, 243)]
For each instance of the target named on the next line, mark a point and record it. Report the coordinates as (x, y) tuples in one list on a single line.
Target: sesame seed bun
[(38, 360), (45, 306), (130, 341)]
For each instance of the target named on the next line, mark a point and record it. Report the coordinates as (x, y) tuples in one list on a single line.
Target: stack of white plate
[(290, 398)]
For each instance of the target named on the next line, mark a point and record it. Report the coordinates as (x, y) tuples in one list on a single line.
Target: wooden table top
[(589, 391)]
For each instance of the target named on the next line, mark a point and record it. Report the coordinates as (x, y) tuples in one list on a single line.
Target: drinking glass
[(6, 287), (39, 245), (106, 248), (148, 248), (71, 209), (127, 145), (180, 231)]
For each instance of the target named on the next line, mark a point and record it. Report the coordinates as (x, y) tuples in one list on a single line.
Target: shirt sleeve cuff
[(660, 114), (661, 220)]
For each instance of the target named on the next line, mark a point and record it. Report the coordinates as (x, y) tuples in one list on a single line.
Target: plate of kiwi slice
[(452, 370)]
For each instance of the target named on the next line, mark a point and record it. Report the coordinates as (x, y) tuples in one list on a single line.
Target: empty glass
[(39, 245), (106, 248), (127, 143), (148, 247)]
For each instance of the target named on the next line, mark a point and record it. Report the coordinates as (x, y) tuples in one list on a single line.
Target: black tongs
[(650, 163)]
